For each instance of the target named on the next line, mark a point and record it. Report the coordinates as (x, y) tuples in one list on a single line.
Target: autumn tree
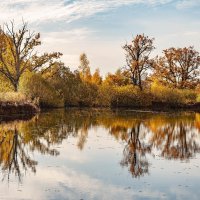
[(84, 68), (96, 77), (138, 58), (119, 78), (178, 67), (18, 53)]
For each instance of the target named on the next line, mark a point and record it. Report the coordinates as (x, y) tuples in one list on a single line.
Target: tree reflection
[(177, 140), (169, 136), (20, 139), (13, 154), (15, 149), (134, 154)]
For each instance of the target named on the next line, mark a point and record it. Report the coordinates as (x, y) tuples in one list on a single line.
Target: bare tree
[(137, 57), (18, 53)]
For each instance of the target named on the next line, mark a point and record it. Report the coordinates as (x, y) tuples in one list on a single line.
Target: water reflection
[(134, 154), (17, 143), (177, 140), (171, 136)]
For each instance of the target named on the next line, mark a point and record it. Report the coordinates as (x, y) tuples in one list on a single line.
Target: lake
[(101, 154)]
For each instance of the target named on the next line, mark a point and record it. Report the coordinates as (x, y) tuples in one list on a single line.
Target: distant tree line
[(171, 77)]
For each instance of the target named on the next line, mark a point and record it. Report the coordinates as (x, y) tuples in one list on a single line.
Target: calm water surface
[(87, 154)]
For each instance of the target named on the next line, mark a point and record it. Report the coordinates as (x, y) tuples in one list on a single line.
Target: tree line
[(171, 77)]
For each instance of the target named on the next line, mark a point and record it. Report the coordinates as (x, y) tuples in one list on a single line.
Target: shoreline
[(11, 111)]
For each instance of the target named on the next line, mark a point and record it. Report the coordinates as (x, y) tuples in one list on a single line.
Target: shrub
[(35, 87), (189, 96), (105, 94), (130, 96), (172, 95), (164, 94), (87, 94)]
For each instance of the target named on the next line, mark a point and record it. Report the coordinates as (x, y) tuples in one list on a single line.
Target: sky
[(100, 28)]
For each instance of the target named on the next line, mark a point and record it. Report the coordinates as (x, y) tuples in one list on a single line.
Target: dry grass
[(13, 97)]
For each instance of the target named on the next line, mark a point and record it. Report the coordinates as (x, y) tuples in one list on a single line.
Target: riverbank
[(11, 110), (26, 110), (166, 106), (15, 105), (155, 106)]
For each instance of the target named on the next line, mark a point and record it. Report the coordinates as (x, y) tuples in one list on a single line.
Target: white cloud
[(184, 4), (42, 10), (67, 36), (65, 183)]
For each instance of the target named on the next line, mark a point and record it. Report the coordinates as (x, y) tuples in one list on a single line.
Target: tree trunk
[(16, 87), (139, 81)]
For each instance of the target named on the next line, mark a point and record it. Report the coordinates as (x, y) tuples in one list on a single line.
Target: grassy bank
[(12, 103)]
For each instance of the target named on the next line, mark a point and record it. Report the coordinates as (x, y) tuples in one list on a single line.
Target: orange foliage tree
[(138, 58), (178, 67)]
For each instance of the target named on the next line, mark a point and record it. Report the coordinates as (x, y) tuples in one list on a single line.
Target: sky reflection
[(87, 154)]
